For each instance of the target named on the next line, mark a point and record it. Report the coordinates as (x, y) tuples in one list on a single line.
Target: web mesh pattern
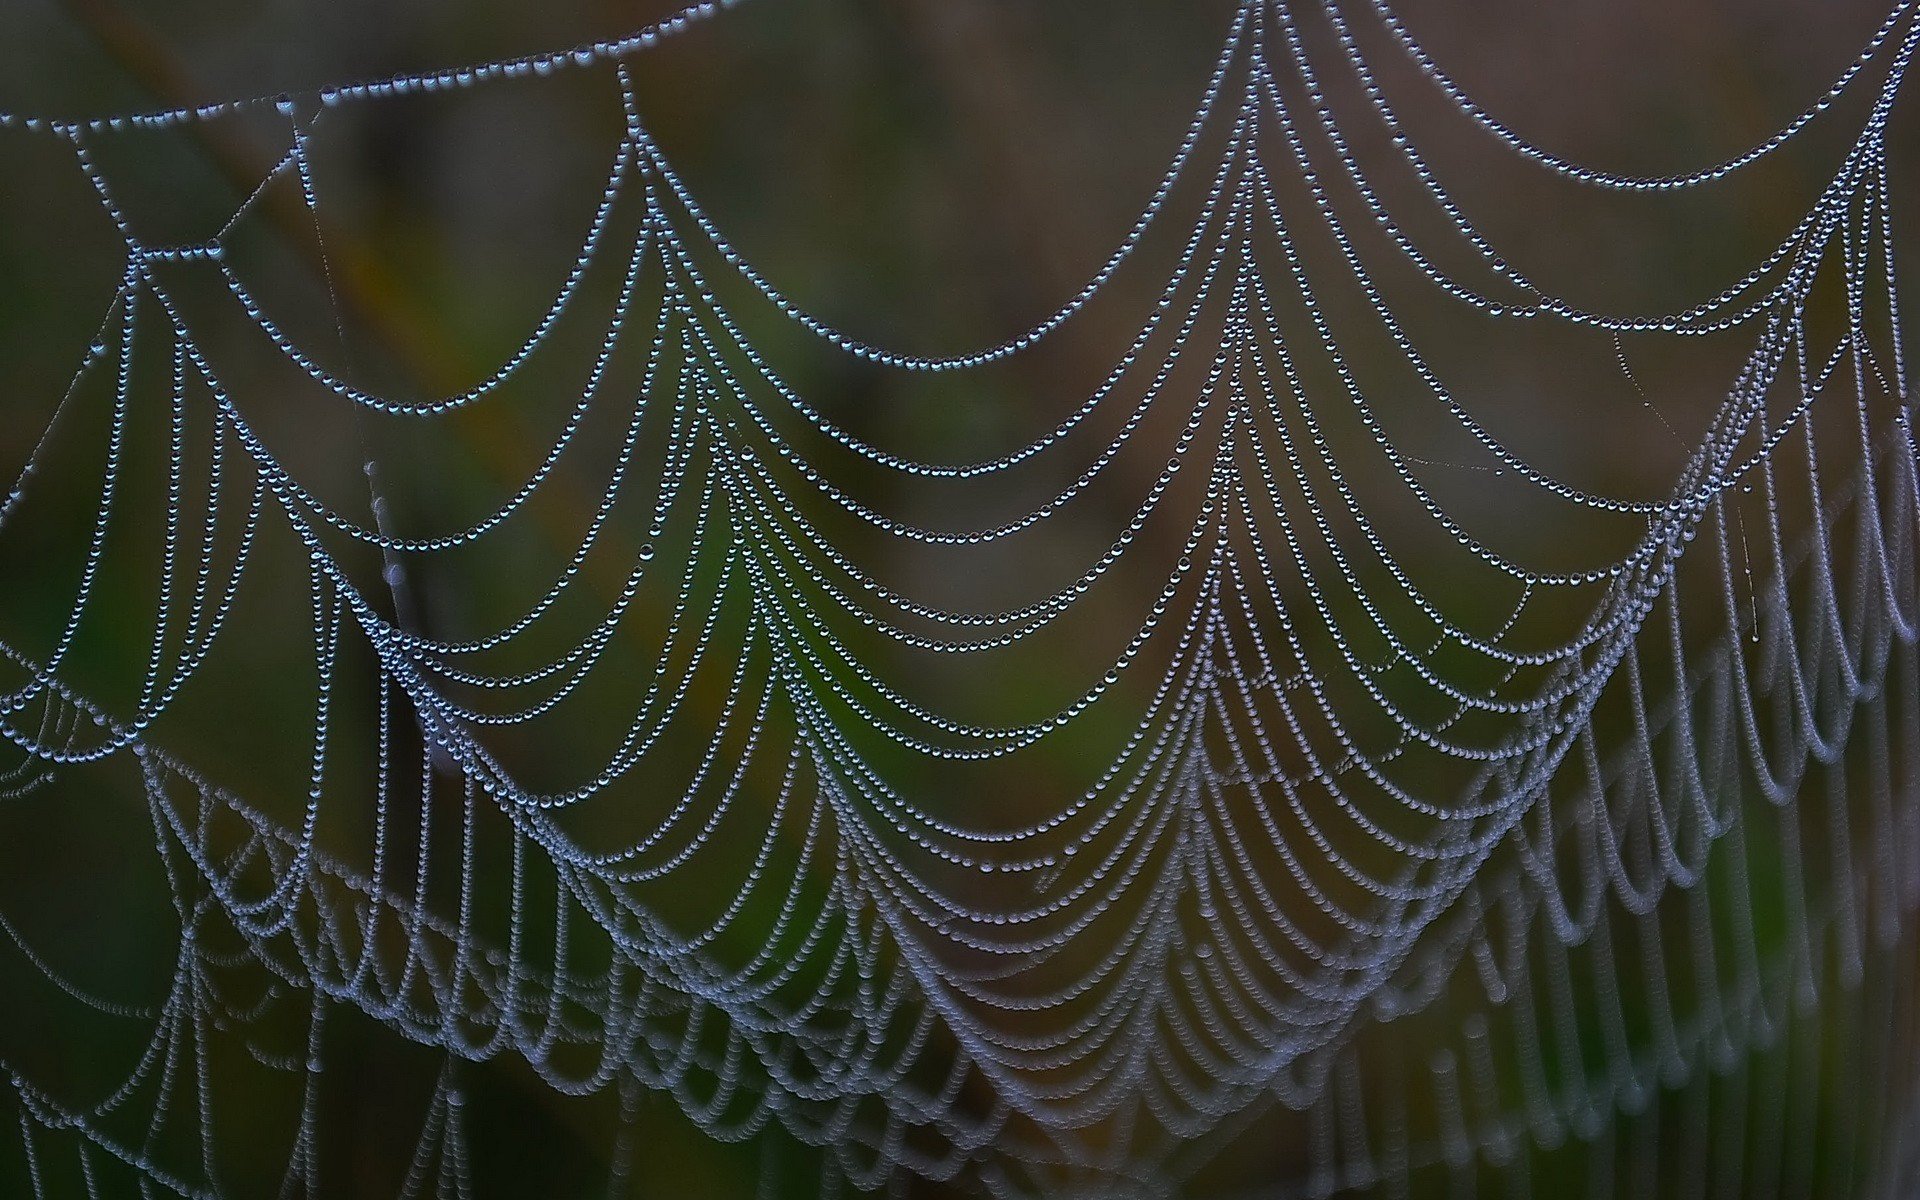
[(1467, 859)]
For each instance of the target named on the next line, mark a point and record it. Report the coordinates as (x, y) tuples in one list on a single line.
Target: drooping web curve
[(1311, 794)]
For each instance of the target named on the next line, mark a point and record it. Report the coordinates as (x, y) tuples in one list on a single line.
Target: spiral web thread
[(1614, 877)]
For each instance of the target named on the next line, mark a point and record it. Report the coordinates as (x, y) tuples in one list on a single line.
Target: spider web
[(1226, 757)]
